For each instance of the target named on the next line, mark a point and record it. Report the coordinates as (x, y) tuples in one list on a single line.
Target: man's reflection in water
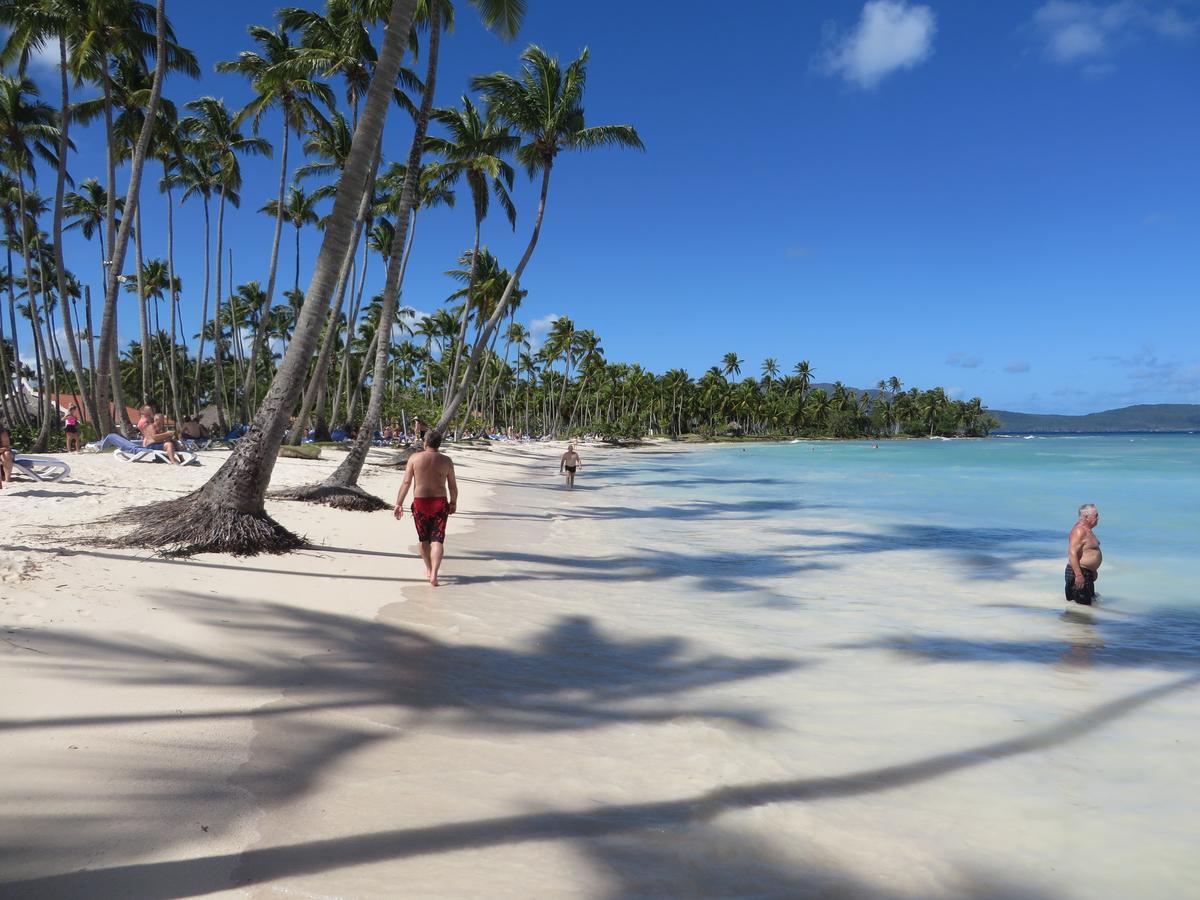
[(1083, 639)]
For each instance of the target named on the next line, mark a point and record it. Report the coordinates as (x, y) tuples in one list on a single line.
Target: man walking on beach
[(430, 473), (1083, 557), (570, 462)]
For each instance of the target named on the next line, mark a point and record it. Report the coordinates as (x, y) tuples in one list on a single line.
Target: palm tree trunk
[(351, 321), (173, 297), (218, 372), (204, 308), (375, 340), (466, 313), (60, 267), (296, 286), (313, 393), (456, 400), (143, 318), (228, 512), (108, 327), (345, 477), (39, 341), (250, 386), (18, 396)]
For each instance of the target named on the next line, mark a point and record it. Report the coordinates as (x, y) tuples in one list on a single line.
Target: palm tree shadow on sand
[(185, 878), (345, 684), (710, 861)]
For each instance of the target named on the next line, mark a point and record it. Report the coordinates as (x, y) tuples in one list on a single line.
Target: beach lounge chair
[(148, 454), (38, 469), (235, 434)]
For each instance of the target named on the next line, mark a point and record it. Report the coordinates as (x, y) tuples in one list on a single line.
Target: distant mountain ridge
[(1143, 417)]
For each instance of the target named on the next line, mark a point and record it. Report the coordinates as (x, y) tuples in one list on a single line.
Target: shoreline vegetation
[(279, 362)]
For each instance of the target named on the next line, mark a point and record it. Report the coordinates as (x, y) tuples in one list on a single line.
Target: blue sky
[(999, 198)]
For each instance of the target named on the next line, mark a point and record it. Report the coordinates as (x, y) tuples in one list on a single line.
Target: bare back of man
[(430, 475)]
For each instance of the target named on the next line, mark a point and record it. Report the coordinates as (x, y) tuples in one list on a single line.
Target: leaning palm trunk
[(59, 187), (228, 513), (341, 489), (108, 326), (481, 342), (313, 396)]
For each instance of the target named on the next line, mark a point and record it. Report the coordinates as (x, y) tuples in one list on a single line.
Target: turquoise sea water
[(985, 503)]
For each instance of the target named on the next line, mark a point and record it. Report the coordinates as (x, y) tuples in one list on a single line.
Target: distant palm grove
[(297, 348)]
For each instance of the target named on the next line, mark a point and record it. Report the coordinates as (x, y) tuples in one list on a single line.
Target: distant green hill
[(1144, 417)]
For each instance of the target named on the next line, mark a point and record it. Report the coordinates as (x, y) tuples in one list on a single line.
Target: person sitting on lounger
[(192, 430), (158, 436)]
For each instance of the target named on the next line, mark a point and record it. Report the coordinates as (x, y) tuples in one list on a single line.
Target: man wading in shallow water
[(1083, 557), (431, 476)]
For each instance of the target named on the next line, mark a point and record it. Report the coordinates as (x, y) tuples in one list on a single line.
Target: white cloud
[(963, 361), (1148, 372), (799, 252), (398, 333), (890, 35), (1016, 366), (539, 328), (1073, 31), (955, 391)]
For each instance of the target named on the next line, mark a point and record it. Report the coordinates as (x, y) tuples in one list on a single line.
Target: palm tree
[(545, 105), (473, 151), (28, 130), (227, 513), (300, 209), (109, 29), (280, 80), (198, 174), (33, 26), (215, 134), (731, 365)]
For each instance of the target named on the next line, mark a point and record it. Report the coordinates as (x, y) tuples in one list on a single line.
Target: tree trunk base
[(339, 496), (187, 526)]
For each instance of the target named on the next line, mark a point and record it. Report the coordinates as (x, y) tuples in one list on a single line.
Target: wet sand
[(609, 696)]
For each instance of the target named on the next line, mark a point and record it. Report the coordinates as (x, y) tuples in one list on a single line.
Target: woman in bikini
[(71, 429)]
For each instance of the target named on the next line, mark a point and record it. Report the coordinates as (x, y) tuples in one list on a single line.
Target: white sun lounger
[(39, 469), (145, 454)]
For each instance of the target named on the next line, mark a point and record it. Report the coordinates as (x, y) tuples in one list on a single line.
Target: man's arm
[(404, 486), (452, 483), (562, 461)]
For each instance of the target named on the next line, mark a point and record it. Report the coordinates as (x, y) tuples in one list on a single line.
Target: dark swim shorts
[(1086, 594), (430, 515)]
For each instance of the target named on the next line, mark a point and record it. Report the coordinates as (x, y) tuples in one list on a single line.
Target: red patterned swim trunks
[(430, 515)]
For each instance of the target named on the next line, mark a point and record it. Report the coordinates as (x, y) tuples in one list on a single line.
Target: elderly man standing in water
[(1083, 557)]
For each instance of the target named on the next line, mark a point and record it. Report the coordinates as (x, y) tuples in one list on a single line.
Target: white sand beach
[(606, 698)]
